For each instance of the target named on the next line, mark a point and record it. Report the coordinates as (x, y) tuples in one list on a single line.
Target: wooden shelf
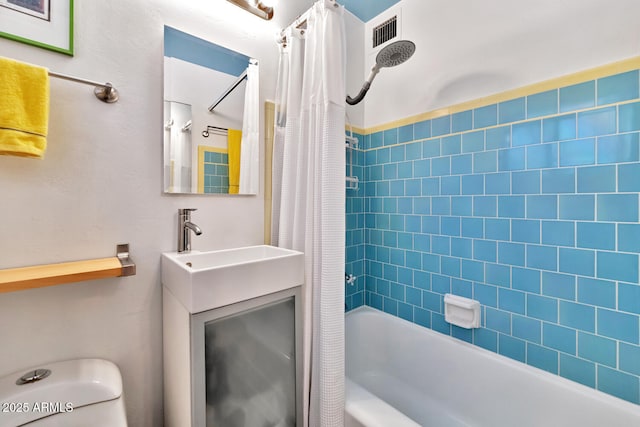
[(16, 279)]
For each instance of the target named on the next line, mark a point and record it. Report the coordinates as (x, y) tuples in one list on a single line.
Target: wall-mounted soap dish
[(461, 311)]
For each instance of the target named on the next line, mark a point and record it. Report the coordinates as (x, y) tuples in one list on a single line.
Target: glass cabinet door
[(247, 360)]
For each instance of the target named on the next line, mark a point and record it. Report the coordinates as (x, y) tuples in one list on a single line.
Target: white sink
[(206, 280)]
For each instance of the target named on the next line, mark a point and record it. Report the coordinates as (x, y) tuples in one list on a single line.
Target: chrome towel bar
[(105, 92)]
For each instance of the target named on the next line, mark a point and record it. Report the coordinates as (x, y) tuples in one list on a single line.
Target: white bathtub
[(400, 374)]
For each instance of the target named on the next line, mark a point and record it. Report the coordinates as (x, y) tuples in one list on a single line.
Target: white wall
[(101, 184), (469, 49), (355, 59)]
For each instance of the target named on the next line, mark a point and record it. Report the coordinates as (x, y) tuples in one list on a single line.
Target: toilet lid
[(70, 385)]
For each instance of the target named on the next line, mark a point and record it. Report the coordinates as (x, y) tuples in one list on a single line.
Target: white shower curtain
[(309, 196), (249, 148)]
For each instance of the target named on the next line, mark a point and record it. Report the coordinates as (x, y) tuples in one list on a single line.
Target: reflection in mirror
[(211, 107), (177, 147)]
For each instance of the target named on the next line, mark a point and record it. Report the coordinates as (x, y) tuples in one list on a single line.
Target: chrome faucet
[(185, 226)]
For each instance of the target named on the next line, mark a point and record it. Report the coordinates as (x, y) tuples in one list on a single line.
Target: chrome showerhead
[(395, 54), (389, 56)]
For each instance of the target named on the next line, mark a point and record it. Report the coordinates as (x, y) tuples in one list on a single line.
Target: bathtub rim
[(565, 383)]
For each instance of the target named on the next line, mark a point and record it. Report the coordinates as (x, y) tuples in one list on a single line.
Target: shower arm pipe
[(360, 96), (228, 91), (365, 87)]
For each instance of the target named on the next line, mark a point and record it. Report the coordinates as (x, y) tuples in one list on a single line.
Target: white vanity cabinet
[(234, 366), (232, 338)]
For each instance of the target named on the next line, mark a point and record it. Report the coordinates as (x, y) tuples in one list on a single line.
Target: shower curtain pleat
[(309, 197), (249, 148), (282, 87)]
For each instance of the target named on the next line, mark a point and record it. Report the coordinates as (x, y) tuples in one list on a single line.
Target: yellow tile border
[(618, 67), (269, 121), (355, 129), (212, 149), (201, 151), (499, 125)]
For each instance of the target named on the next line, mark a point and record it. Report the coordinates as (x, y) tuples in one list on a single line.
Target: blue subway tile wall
[(530, 206), (356, 206), (216, 172)]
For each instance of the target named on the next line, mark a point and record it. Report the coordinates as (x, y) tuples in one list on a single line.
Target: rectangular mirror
[(211, 117)]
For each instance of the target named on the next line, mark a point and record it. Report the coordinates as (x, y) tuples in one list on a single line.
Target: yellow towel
[(234, 139), (24, 109)]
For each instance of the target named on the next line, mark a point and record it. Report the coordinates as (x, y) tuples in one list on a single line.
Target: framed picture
[(44, 23)]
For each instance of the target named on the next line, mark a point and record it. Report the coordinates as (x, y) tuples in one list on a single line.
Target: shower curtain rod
[(228, 91), (299, 23)]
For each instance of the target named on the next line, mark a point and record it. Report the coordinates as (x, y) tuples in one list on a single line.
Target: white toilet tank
[(73, 393)]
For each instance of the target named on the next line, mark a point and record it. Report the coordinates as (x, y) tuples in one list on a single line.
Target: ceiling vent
[(386, 31)]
